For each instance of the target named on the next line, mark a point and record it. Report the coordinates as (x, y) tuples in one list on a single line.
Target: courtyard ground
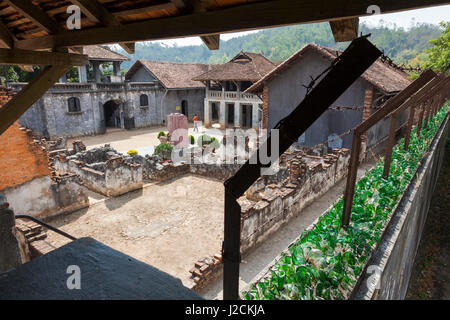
[(168, 225), (143, 140)]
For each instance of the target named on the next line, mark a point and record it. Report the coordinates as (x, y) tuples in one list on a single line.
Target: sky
[(402, 19)]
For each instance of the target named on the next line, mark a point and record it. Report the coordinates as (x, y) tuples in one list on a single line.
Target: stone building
[(285, 87), (144, 97), (177, 91), (225, 100), (84, 108)]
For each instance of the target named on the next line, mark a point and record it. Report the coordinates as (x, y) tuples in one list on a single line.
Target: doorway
[(247, 116), (230, 120), (111, 110), (184, 108), (214, 112)]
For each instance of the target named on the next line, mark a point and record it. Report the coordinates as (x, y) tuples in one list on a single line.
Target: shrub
[(192, 139), (205, 139), (132, 152), (161, 134), (164, 151)]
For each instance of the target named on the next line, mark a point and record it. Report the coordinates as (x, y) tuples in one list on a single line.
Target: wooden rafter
[(7, 41), (35, 14), (96, 12), (17, 106), (250, 16), (345, 29), (6, 37), (188, 6)]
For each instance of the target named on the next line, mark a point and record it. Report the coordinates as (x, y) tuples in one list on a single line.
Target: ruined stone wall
[(269, 206), (43, 198), (102, 170)]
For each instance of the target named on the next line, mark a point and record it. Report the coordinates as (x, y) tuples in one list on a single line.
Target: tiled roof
[(103, 53), (246, 66), (384, 77), (173, 75)]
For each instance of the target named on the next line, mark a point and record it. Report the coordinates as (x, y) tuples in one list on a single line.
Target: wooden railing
[(426, 93), (232, 95), (92, 86)]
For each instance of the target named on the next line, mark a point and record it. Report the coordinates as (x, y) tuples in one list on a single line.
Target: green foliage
[(192, 139), (132, 152), (325, 262), (439, 53), (278, 44), (161, 134), (205, 139), (164, 151)]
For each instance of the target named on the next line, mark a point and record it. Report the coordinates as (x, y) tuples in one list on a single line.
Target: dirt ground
[(168, 225), (430, 279)]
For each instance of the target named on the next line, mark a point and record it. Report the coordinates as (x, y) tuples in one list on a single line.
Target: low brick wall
[(32, 240)]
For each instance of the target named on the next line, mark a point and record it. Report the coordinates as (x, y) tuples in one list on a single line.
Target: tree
[(439, 53)]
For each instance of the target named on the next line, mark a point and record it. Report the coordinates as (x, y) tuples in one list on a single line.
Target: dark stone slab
[(105, 274)]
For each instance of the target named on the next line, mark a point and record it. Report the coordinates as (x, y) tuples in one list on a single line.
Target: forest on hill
[(278, 44), (404, 46)]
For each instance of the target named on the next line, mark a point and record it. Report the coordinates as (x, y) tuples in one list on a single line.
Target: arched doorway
[(111, 111)]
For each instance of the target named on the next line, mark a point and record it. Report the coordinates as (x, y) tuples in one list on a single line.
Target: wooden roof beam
[(41, 58), (7, 41), (194, 6), (6, 37), (35, 14), (345, 29), (96, 12), (250, 16)]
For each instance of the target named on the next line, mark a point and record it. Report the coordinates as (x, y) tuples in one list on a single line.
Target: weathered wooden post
[(412, 112), (389, 146)]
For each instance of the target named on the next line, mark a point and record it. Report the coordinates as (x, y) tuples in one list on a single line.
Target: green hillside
[(279, 43)]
